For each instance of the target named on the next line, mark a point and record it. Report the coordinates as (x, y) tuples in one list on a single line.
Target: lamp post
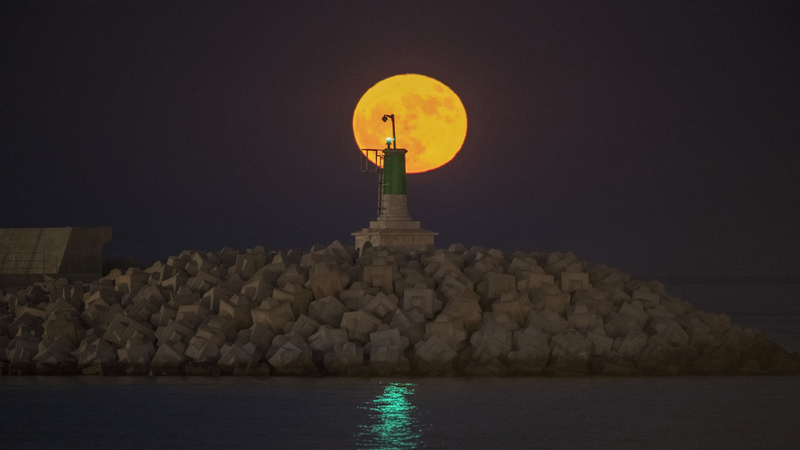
[(394, 139)]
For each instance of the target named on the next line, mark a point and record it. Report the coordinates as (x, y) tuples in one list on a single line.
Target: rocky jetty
[(453, 312)]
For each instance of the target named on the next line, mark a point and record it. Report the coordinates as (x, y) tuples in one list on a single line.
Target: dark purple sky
[(661, 138)]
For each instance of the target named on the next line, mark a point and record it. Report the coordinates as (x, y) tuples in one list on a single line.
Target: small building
[(27, 255)]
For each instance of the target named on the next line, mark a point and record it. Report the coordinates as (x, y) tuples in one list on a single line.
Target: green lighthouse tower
[(394, 227)]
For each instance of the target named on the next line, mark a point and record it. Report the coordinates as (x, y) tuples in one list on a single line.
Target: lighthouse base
[(394, 228), (394, 238)]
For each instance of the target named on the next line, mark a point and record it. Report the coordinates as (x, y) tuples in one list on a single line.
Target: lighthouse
[(394, 227)]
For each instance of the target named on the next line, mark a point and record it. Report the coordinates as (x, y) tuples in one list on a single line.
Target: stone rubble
[(330, 311)]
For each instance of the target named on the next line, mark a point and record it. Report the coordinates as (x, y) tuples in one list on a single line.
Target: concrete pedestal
[(394, 227)]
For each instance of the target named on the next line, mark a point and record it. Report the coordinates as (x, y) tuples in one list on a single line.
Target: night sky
[(658, 137)]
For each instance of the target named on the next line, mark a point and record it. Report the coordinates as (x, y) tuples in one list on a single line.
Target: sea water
[(406, 413), (276, 413)]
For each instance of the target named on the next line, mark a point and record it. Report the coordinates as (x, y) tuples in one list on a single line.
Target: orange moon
[(430, 120)]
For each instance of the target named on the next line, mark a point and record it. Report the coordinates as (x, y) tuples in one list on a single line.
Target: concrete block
[(523, 264), (21, 351), (558, 262), (198, 284), (381, 277), (499, 283), (273, 314), (410, 323), (387, 337), (137, 332), (580, 317), (204, 347), (183, 296), (492, 340), (261, 335), (571, 344), (529, 280), (293, 359), (671, 331), (382, 306), (604, 307), (175, 281), (718, 323), (163, 316), (293, 274), (124, 283), (345, 357), (39, 313), (547, 321), (423, 300), (325, 284), (433, 356), (450, 288), (222, 326), (572, 281), (602, 344), (634, 309), (97, 351), (326, 338), (618, 368), (531, 337), (248, 263), (500, 319), (447, 269), (412, 279), (174, 332), (648, 299), (355, 299), (512, 309), (138, 355), (191, 315), (632, 345), (305, 326), (169, 356), (53, 352), (64, 326), (279, 340), (116, 330), (327, 310), (257, 290), (388, 361), (620, 296), (528, 360), (359, 324), (467, 310), (619, 325), (297, 296), (448, 332), (486, 366), (237, 308), (237, 355), (557, 302), (208, 278)]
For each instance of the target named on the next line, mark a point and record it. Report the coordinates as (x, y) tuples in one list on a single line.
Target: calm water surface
[(660, 413)]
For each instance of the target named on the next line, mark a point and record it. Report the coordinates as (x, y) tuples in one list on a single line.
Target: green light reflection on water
[(394, 425)]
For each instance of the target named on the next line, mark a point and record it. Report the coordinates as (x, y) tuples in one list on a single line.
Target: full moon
[(430, 120)]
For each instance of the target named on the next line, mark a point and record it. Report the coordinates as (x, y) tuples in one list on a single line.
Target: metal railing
[(29, 263), (376, 166)]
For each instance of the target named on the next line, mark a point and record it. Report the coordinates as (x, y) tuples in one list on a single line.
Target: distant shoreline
[(711, 279)]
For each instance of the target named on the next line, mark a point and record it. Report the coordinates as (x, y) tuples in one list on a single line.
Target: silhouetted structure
[(27, 255), (394, 227)]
